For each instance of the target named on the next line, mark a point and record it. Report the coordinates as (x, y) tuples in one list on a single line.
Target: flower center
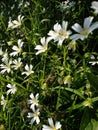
[(54, 128), (85, 31), (64, 33)]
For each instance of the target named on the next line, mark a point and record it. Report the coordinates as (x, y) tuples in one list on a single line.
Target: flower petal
[(87, 22)]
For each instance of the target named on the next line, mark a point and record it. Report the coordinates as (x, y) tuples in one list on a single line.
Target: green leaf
[(85, 119), (93, 79), (93, 125)]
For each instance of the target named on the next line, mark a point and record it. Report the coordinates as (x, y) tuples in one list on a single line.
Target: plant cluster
[(48, 65)]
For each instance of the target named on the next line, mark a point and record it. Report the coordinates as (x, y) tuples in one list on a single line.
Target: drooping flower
[(42, 48), (17, 63), (1, 52), (52, 126), (28, 69), (34, 115), (6, 67), (94, 5), (15, 23), (17, 49), (12, 88), (5, 56), (83, 33), (3, 102), (34, 100), (60, 33)]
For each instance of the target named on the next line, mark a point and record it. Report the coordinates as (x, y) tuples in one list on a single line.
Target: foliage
[(61, 80)]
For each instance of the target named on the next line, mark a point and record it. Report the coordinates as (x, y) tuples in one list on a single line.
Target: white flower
[(85, 31), (63, 34), (34, 100), (60, 33), (17, 63), (34, 115), (67, 5), (6, 67), (52, 126), (17, 49), (42, 48), (28, 71), (15, 23), (94, 5), (3, 102), (93, 62), (12, 88), (53, 34)]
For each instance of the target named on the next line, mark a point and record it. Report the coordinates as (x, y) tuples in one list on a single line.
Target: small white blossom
[(15, 23), (94, 5), (52, 126), (12, 88), (60, 33), (17, 49), (34, 100), (42, 48), (34, 115), (3, 102), (6, 67), (66, 6), (28, 71), (17, 63), (85, 31)]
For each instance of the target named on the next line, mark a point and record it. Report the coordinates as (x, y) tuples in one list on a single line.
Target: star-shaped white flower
[(34, 115), (52, 126), (15, 23), (17, 49), (85, 31), (60, 33), (34, 100), (17, 63), (12, 88), (28, 69), (94, 5), (42, 48), (6, 67)]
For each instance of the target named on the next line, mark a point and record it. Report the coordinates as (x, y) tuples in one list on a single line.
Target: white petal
[(26, 67), (57, 27), (58, 125), (38, 47), (75, 37), (45, 127), (43, 40), (64, 25), (50, 122), (30, 115), (32, 121), (32, 96), (15, 48), (87, 22), (40, 52), (9, 86), (93, 26), (76, 27)]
